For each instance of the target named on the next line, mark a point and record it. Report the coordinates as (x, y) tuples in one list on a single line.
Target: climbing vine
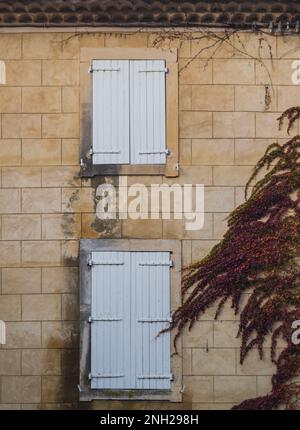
[(258, 256)]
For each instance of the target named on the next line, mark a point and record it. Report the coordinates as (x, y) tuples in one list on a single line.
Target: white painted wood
[(110, 111), (130, 305), (152, 296), (147, 112), (110, 356)]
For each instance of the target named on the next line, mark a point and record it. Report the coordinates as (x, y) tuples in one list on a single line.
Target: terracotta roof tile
[(146, 12)]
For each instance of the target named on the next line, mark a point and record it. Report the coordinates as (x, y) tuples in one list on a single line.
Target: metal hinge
[(92, 319), (170, 377), (164, 70), (157, 263), (90, 263), (99, 375), (154, 320), (165, 151), (92, 152), (82, 164), (91, 70)]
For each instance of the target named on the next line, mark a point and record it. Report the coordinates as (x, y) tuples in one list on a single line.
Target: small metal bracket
[(90, 262)]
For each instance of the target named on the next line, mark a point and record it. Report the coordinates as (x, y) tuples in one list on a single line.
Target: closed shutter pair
[(130, 305), (129, 112)]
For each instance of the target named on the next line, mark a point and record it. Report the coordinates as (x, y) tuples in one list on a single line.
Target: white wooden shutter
[(110, 111), (147, 112), (130, 306), (110, 320), (150, 304)]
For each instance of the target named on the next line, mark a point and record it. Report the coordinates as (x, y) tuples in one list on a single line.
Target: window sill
[(89, 170), (166, 395)]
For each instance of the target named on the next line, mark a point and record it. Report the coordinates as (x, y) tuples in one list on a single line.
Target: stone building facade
[(229, 100)]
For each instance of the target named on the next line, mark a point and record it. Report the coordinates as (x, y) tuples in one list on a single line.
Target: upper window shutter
[(150, 304), (147, 112), (110, 320), (110, 111)]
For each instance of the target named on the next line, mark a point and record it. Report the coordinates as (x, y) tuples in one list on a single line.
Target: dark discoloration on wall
[(68, 225), (268, 98), (106, 228)]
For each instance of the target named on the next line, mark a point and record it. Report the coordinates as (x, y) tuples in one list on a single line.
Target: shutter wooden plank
[(110, 358), (110, 112), (147, 112), (152, 295)]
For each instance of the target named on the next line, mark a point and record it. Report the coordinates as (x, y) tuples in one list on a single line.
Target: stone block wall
[(229, 103)]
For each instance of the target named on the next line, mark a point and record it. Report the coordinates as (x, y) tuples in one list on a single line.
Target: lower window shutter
[(130, 306), (148, 112), (150, 304), (110, 320), (110, 112)]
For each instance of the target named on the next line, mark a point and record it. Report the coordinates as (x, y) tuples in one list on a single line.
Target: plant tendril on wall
[(258, 256)]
